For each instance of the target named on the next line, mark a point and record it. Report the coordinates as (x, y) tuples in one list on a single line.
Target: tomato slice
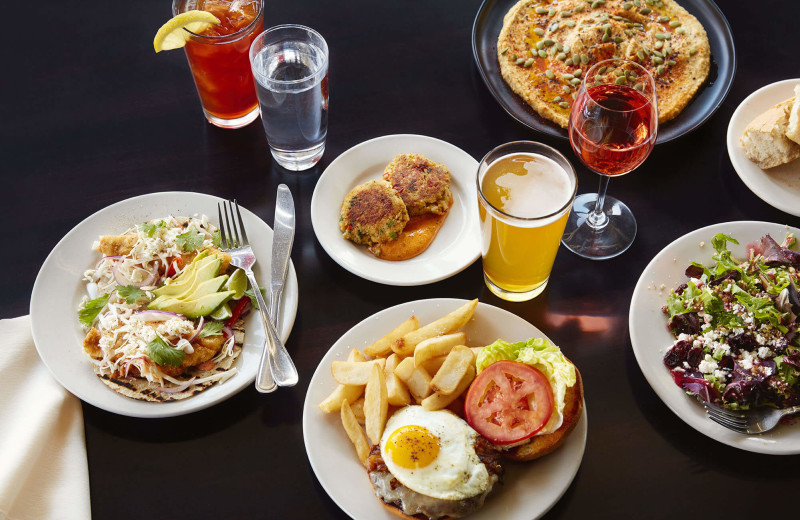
[(509, 402), (176, 264)]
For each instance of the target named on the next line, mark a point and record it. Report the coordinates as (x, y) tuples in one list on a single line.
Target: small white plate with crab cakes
[(456, 246)]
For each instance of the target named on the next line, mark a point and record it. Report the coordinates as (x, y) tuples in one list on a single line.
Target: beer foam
[(533, 186)]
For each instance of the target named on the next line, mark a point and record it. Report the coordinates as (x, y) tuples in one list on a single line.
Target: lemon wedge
[(171, 35)]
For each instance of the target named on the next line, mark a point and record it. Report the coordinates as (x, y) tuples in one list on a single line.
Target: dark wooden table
[(92, 116)]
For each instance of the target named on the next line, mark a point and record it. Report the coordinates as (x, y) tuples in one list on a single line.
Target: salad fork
[(755, 421), (234, 239)]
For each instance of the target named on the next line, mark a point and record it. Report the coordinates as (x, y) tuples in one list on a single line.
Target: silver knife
[(276, 365)]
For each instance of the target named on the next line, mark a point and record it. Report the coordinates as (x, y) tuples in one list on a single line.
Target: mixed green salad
[(735, 325)]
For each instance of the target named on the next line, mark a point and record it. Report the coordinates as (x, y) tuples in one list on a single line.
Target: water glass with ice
[(290, 66)]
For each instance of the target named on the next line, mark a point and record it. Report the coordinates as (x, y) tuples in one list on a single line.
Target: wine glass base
[(599, 242)]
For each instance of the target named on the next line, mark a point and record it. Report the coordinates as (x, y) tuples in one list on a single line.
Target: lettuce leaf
[(542, 355)]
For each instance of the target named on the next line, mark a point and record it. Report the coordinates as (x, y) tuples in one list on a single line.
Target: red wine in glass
[(611, 129)]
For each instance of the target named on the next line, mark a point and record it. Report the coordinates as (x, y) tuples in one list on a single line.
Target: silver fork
[(234, 239), (751, 422)]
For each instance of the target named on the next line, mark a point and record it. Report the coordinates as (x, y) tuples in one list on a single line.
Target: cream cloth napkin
[(43, 470)]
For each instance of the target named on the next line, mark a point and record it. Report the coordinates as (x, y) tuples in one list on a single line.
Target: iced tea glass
[(219, 59)]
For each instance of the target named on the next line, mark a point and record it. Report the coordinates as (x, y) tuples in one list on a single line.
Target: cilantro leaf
[(163, 354), (149, 228), (88, 313), (216, 239), (252, 295), (211, 328), (189, 241), (131, 293)]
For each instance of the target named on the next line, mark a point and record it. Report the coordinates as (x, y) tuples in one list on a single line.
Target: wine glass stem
[(598, 219)]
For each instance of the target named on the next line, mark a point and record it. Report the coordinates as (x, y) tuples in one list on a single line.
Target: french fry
[(395, 388), (439, 401), (391, 363), (357, 407), (354, 372), (354, 431), (445, 325), (476, 351), (449, 376), (433, 365), (333, 403), (383, 347), (438, 346), (376, 404), (416, 379)]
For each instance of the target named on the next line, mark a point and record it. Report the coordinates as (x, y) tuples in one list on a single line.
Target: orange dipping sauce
[(413, 240)]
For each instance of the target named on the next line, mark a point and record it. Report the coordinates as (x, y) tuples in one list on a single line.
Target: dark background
[(91, 116)]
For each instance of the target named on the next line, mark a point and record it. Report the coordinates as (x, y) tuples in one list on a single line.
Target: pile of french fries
[(429, 365)]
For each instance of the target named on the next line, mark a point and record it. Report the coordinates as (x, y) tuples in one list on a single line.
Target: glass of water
[(290, 66)]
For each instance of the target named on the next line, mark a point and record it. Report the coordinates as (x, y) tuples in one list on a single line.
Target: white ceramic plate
[(780, 186), (59, 289), (455, 247), (528, 491), (650, 337)]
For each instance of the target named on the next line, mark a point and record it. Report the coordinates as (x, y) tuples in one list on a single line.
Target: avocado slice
[(201, 306), (204, 270)]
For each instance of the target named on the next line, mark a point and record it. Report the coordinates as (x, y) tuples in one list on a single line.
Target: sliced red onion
[(121, 279), (227, 332), (104, 259), (175, 390), (198, 329), (158, 315)]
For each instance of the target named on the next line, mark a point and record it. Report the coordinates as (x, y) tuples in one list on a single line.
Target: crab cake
[(372, 213), (423, 184)]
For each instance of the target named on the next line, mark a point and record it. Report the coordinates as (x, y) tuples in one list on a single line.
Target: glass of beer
[(525, 192), (220, 62)]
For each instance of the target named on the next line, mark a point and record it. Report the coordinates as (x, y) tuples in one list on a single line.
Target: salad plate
[(780, 186), (651, 339), (334, 459), (455, 247), (59, 288)]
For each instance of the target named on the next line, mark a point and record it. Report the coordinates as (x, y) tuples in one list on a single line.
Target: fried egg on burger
[(432, 463)]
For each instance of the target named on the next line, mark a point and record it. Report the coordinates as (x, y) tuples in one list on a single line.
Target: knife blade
[(282, 240)]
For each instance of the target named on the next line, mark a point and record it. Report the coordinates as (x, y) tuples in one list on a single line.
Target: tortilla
[(541, 42), (142, 389)]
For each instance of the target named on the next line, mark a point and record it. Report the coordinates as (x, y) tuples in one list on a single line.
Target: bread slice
[(541, 445), (764, 140), (793, 128)]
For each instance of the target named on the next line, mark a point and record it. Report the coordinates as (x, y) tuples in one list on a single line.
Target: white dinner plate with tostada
[(779, 186), (338, 469), (60, 288), (455, 247)]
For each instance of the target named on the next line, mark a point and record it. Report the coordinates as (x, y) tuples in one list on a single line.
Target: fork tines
[(732, 420), (232, 236)]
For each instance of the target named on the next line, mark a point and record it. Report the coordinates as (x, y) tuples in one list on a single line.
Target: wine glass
[(612, 128)]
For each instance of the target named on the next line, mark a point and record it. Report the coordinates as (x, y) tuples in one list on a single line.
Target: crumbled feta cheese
[(764, 352), (707, 365)]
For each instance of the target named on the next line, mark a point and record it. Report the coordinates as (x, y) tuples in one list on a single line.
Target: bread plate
[(780, 186), (59, 288), (455, 247), (651, 339), (334, 459)]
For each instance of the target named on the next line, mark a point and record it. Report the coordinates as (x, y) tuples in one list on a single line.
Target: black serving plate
[(489, 21)]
